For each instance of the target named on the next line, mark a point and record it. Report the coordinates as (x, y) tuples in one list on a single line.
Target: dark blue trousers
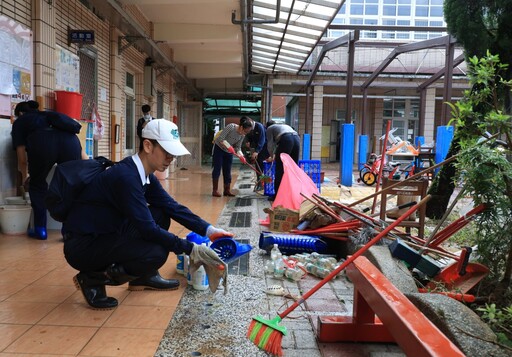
[(46, 148), (127, 247), (222, 161)]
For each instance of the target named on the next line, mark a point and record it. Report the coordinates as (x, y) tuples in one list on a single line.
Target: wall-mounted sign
[(84, 37)]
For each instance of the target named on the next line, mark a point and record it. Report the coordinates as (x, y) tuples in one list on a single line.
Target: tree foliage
[(486, 166), (481, 26)]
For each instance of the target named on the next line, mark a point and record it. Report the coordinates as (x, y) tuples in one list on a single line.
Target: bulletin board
[(16, 63), (67, 70)]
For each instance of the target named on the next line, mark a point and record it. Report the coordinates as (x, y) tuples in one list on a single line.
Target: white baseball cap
[(166, 134)]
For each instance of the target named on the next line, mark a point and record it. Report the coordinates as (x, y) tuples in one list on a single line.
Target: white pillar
[(316, 129), (430, 111)]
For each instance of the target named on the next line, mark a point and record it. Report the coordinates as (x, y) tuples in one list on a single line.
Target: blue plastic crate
[(269, 170), (312, 168)]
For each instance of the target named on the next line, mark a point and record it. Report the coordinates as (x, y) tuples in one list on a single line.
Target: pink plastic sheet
[(295, 181)]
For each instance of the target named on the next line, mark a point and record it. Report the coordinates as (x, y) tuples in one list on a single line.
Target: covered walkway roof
[(218, 44)]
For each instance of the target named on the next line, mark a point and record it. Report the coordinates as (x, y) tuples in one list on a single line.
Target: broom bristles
[(267, 335)]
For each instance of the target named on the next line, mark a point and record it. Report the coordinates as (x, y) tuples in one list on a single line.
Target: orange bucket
[(69, 103)]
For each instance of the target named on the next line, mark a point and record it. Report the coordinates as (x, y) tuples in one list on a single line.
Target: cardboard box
[(282, 219)]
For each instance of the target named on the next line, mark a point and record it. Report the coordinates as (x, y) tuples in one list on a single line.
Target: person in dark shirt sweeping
[(117, 229)]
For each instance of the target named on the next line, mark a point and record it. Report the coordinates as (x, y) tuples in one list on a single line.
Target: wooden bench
[(383, 314)]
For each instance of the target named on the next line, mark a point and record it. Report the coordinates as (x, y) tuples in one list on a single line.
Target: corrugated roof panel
[(286, 45)]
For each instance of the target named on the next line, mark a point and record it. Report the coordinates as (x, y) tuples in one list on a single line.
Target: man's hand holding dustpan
[(215, 268)]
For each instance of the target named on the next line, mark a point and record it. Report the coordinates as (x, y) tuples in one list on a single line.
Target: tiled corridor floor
[(42, 314)]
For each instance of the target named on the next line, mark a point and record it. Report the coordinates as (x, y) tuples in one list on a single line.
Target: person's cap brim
[(175, 148)]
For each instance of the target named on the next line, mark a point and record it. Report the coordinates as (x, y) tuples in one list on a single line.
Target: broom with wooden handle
[(268, 335)]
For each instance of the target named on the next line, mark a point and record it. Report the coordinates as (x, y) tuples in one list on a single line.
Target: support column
[(116, 96), (430, 112), (43, 28), (316, 128)]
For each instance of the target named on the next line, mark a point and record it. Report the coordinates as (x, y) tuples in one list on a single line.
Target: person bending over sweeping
[(117, 229), (281, 138)]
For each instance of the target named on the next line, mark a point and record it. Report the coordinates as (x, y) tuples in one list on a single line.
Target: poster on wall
[(15, 63), (67, 70)]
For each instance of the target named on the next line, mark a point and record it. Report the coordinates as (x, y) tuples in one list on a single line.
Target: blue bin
[(313, 169), (270, 171)]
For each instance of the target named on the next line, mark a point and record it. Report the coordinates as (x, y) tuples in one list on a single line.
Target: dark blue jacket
[(257, 137), (117, 196), (27, 124)]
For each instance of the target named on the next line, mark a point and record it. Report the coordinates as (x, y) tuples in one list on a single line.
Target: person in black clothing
[(117, 229), (257, 140), (38, 147), (146, 117), (281, 138)]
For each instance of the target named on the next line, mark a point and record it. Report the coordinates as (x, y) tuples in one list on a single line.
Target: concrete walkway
[(216, 324)]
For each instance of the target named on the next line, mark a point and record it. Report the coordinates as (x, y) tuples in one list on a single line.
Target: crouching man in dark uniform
[(117, 230)]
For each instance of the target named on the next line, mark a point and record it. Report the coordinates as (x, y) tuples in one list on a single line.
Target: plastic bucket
[(69, 103), (14, 219), (16, 200)]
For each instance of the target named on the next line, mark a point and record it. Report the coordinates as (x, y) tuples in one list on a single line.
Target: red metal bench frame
[(398, 319)]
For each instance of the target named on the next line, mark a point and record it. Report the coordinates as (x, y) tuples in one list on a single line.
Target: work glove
[(215, 268), (241, 157), (214, 233), (228, 147)]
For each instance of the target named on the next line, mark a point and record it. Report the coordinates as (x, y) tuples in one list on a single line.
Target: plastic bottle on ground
[(273, 253), (279, 266), (180, 262), (200, 279), (269, 267), (293, 274)]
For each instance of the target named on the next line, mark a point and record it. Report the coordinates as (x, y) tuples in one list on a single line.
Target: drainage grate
[(243, 202), (241, 265), (240, 219), (245, 185)]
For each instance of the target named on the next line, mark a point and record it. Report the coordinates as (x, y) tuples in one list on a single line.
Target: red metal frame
[(399, 320)]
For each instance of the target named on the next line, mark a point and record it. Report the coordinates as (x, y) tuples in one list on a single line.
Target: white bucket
[(14, 219), (15, 200)]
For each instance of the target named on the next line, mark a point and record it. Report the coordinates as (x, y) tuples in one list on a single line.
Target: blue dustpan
[(197, 239), (229, 249)]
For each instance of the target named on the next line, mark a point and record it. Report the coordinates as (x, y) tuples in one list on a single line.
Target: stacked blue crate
[(312, 168), (270, 171)]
